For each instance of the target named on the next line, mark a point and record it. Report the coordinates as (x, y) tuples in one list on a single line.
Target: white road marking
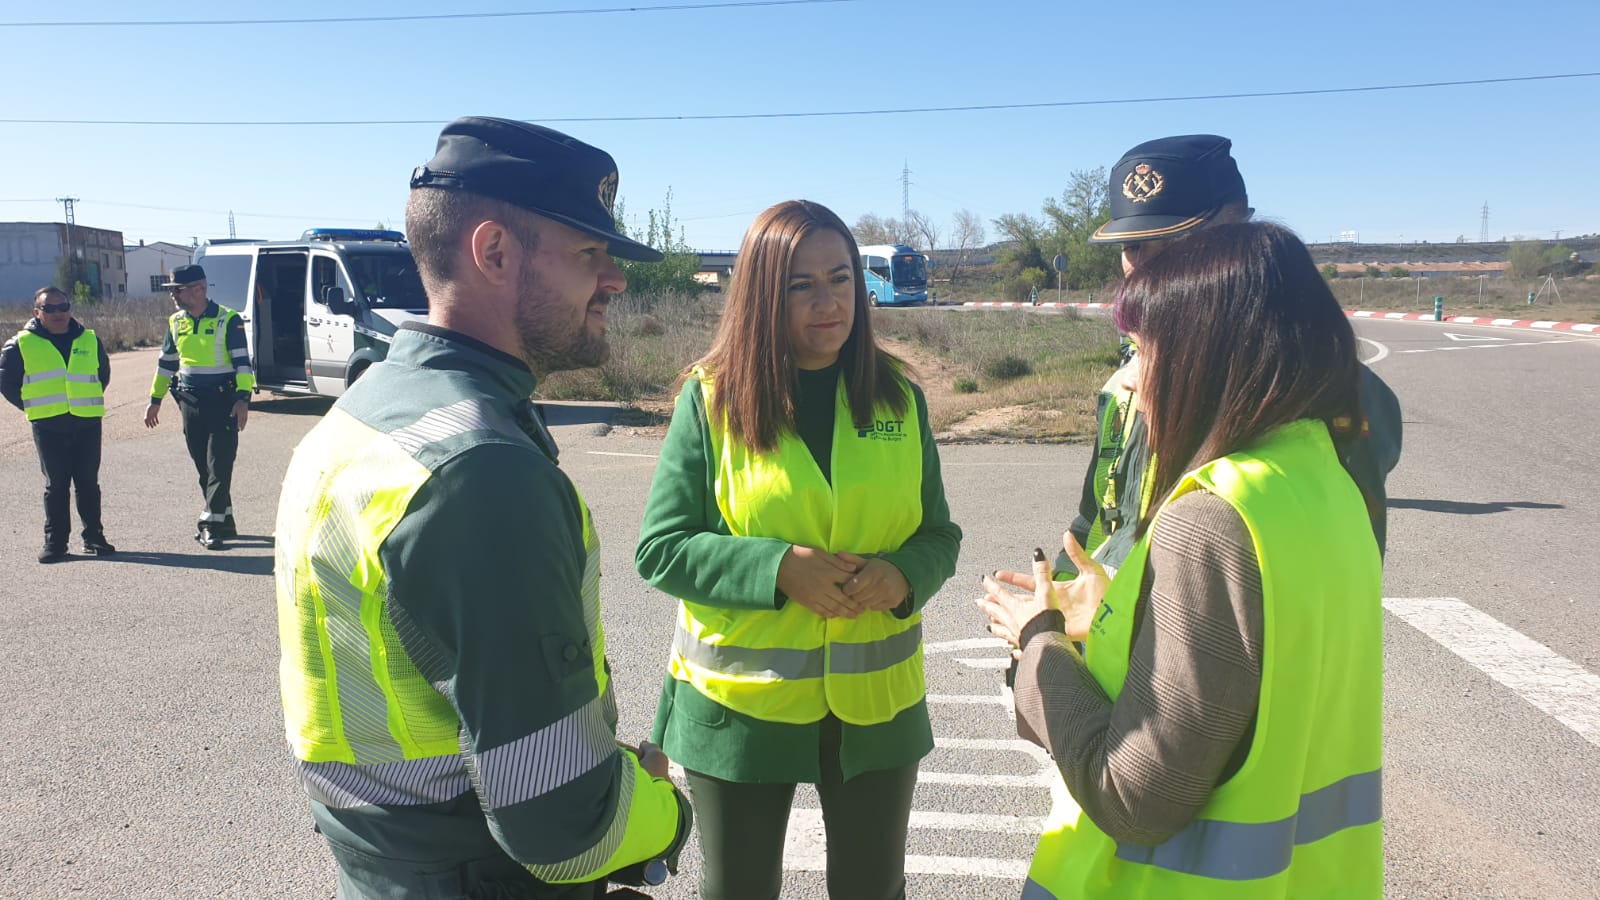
[(987, 662), (962, 644), (1563, 689), (805, 846), (1490, 346), (1383, 350), (617, 453), (971, 699), (1472, 337)]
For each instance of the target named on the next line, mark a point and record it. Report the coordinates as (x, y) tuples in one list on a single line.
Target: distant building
[(31, 255), (1427, 269), (150, 264)]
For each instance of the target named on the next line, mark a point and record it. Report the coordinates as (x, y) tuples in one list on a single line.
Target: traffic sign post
[(1060, 264)]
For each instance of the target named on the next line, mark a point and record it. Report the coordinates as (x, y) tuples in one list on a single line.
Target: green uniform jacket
[(485, 576), (686, 550)]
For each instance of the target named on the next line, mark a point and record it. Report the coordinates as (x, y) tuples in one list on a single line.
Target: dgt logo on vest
[(884, 430)]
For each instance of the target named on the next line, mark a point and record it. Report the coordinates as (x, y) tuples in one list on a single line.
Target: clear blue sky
[(1411, 164)]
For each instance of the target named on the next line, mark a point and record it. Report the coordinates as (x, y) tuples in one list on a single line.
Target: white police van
[(320, 310)]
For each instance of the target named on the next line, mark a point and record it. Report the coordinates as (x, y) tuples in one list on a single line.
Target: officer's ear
[(495, 252)]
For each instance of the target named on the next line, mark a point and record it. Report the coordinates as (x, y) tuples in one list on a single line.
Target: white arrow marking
[(1472, 337)]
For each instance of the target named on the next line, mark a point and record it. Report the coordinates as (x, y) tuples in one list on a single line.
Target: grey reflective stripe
[(219, 339), (363, 706), (83, 377), (169, 357), (1033, 890), (586, 863), (44, 376), (861, 659), (411, 782), (87, 401), (1239, 851), (762, 662), (205, 370), (448, 421), (47, 400), (555, 755)]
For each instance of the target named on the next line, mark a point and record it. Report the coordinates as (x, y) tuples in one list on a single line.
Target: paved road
[(144, 754)]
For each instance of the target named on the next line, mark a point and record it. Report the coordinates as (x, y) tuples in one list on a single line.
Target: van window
[(387, 280), (324, 274), (228, 278)]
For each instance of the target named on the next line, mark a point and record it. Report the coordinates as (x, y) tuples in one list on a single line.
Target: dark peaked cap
[(536, 168), (1165, 187)]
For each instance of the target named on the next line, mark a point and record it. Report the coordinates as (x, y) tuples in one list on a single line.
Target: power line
[(705, 117), (338, 20)]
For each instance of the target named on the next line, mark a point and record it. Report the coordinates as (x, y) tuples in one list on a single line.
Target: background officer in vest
[(56, 371), (206, 362), (799, 515), (1162, 191), (424, 521), (1220, 735)]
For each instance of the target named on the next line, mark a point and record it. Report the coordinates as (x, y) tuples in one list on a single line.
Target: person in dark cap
[(56, 371), (445, 686), (205, 362), (1162, 191)]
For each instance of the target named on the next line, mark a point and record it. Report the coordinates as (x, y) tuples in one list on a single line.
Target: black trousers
[(213, 438), (69, 456), (742, 828)]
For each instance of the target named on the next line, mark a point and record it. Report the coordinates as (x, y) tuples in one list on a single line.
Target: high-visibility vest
[(1303, 816), (1116, 421), (790, 664), (352, 697), (52, 386), (203, 347)]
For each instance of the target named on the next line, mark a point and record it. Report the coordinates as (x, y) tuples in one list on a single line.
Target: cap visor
[(1146, 228), (617, 245)]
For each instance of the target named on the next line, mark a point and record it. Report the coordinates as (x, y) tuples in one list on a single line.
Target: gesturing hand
[(1010, 612), (811, 577), (878, 584)]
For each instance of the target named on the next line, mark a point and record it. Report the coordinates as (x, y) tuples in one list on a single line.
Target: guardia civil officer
[(206, 363), (1162, 191), (55, 371), (424, 523)]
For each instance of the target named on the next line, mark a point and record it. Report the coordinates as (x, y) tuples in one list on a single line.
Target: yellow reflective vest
[(365, 725), (203, 350), (52, 386), (791, 665), (1303, 816)]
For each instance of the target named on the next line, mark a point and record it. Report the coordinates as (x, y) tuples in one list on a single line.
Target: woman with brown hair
[(1220, 735), (798, 514)]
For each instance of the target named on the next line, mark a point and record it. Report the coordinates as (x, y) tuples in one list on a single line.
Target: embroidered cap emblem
[(1142, 183), (608, 191)]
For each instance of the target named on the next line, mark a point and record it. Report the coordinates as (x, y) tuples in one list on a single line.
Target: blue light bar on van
[(351, 234)]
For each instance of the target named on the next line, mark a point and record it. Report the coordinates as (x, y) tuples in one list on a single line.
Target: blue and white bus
[(896, 274)]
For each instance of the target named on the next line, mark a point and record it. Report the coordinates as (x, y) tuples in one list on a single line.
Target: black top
[(814, 408)]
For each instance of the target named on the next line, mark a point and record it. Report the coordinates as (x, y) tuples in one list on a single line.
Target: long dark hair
[(752, 356), (1238, 334)]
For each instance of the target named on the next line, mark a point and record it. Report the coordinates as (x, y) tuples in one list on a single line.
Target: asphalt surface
[(144, 753)]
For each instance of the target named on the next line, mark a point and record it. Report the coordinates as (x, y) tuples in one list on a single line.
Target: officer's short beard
[(551, 340)]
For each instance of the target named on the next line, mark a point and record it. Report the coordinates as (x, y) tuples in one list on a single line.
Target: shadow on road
[(1461, 508), (578, 413), (292, 406), (221, 560)]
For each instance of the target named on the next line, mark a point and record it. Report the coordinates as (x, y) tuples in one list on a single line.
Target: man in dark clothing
[(206, 362), (55, 371)]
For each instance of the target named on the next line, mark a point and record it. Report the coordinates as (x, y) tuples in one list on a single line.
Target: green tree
[(1330, 271), (675, 273), (1399, 272), (1025, 239), (1373, 271), (72, 276), (1083, 207)]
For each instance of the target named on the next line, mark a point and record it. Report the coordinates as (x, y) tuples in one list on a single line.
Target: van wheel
[(356, 373), (872, 298)]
